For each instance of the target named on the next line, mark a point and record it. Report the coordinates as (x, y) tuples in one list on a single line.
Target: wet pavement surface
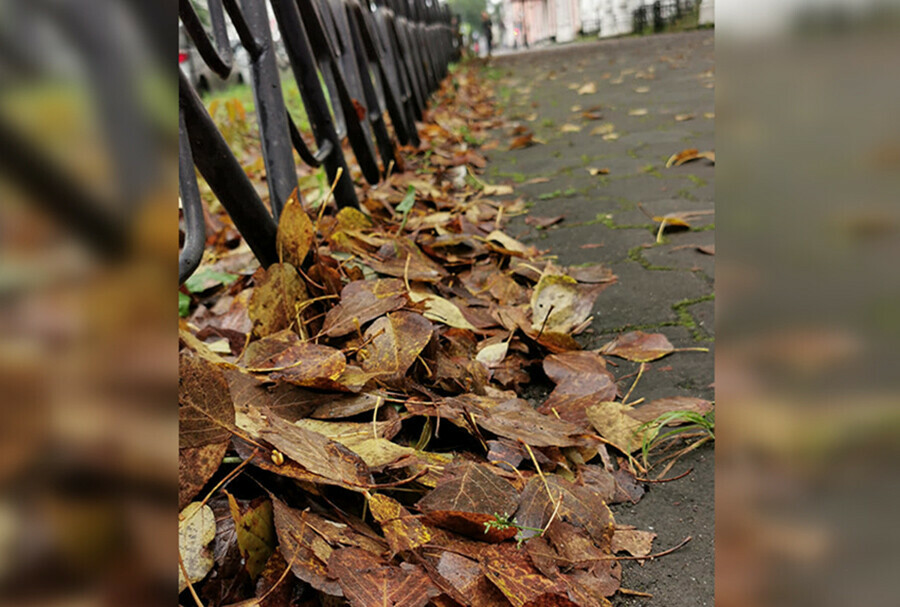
[(653, 98)]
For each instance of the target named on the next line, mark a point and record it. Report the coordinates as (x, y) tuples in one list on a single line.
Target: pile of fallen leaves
[(352, 420)]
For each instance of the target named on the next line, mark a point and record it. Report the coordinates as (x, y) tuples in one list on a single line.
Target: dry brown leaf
[(579, 506), (569, 128), (393, 343), (543, 222), (196, 465), (402, 530), (595, 171), (368, 581), (466, 576), (467, 497), (633, 541), (522, 141), (581, 380), (315, 452), (639, 346), (297, 536), (588, 89), (513, 573), (362, 301), (273, 305), (205, 409)]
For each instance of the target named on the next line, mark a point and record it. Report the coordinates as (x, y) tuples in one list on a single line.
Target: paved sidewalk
[(665, 287)]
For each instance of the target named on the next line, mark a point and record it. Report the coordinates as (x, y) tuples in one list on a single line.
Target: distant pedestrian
[(487, 28)]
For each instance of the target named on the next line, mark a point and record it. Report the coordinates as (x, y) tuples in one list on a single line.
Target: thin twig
[(664, 480), (650, 557), (280, 578), (187, 579), (229, 477), (635, 593), (636, 380)]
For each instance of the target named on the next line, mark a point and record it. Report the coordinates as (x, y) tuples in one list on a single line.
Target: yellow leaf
[(255, 534), (612, 422), (295, 232), (497, 190), (588, 89)]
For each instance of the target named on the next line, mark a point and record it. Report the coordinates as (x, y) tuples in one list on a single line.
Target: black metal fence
[(660, 14), (386, 57)]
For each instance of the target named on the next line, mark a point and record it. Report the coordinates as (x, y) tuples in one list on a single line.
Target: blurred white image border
[(88, 258), (808, 302)]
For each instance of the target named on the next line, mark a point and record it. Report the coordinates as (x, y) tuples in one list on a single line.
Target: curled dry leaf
[(362, 301), (559, 303), (497, 190), (493, 354), (595, 171), (441, 310), (543, 222), (588, 89), (638, 346), (569, 128), (196, 529), (688, 155)]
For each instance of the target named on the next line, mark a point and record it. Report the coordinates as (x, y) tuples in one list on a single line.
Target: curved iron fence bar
[(303, 64), (219, 58), (372, 60), (313, 159), (195, 228), (281, 174), (225, 176)]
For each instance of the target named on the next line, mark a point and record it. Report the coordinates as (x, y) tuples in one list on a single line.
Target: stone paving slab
[(663, 287)]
